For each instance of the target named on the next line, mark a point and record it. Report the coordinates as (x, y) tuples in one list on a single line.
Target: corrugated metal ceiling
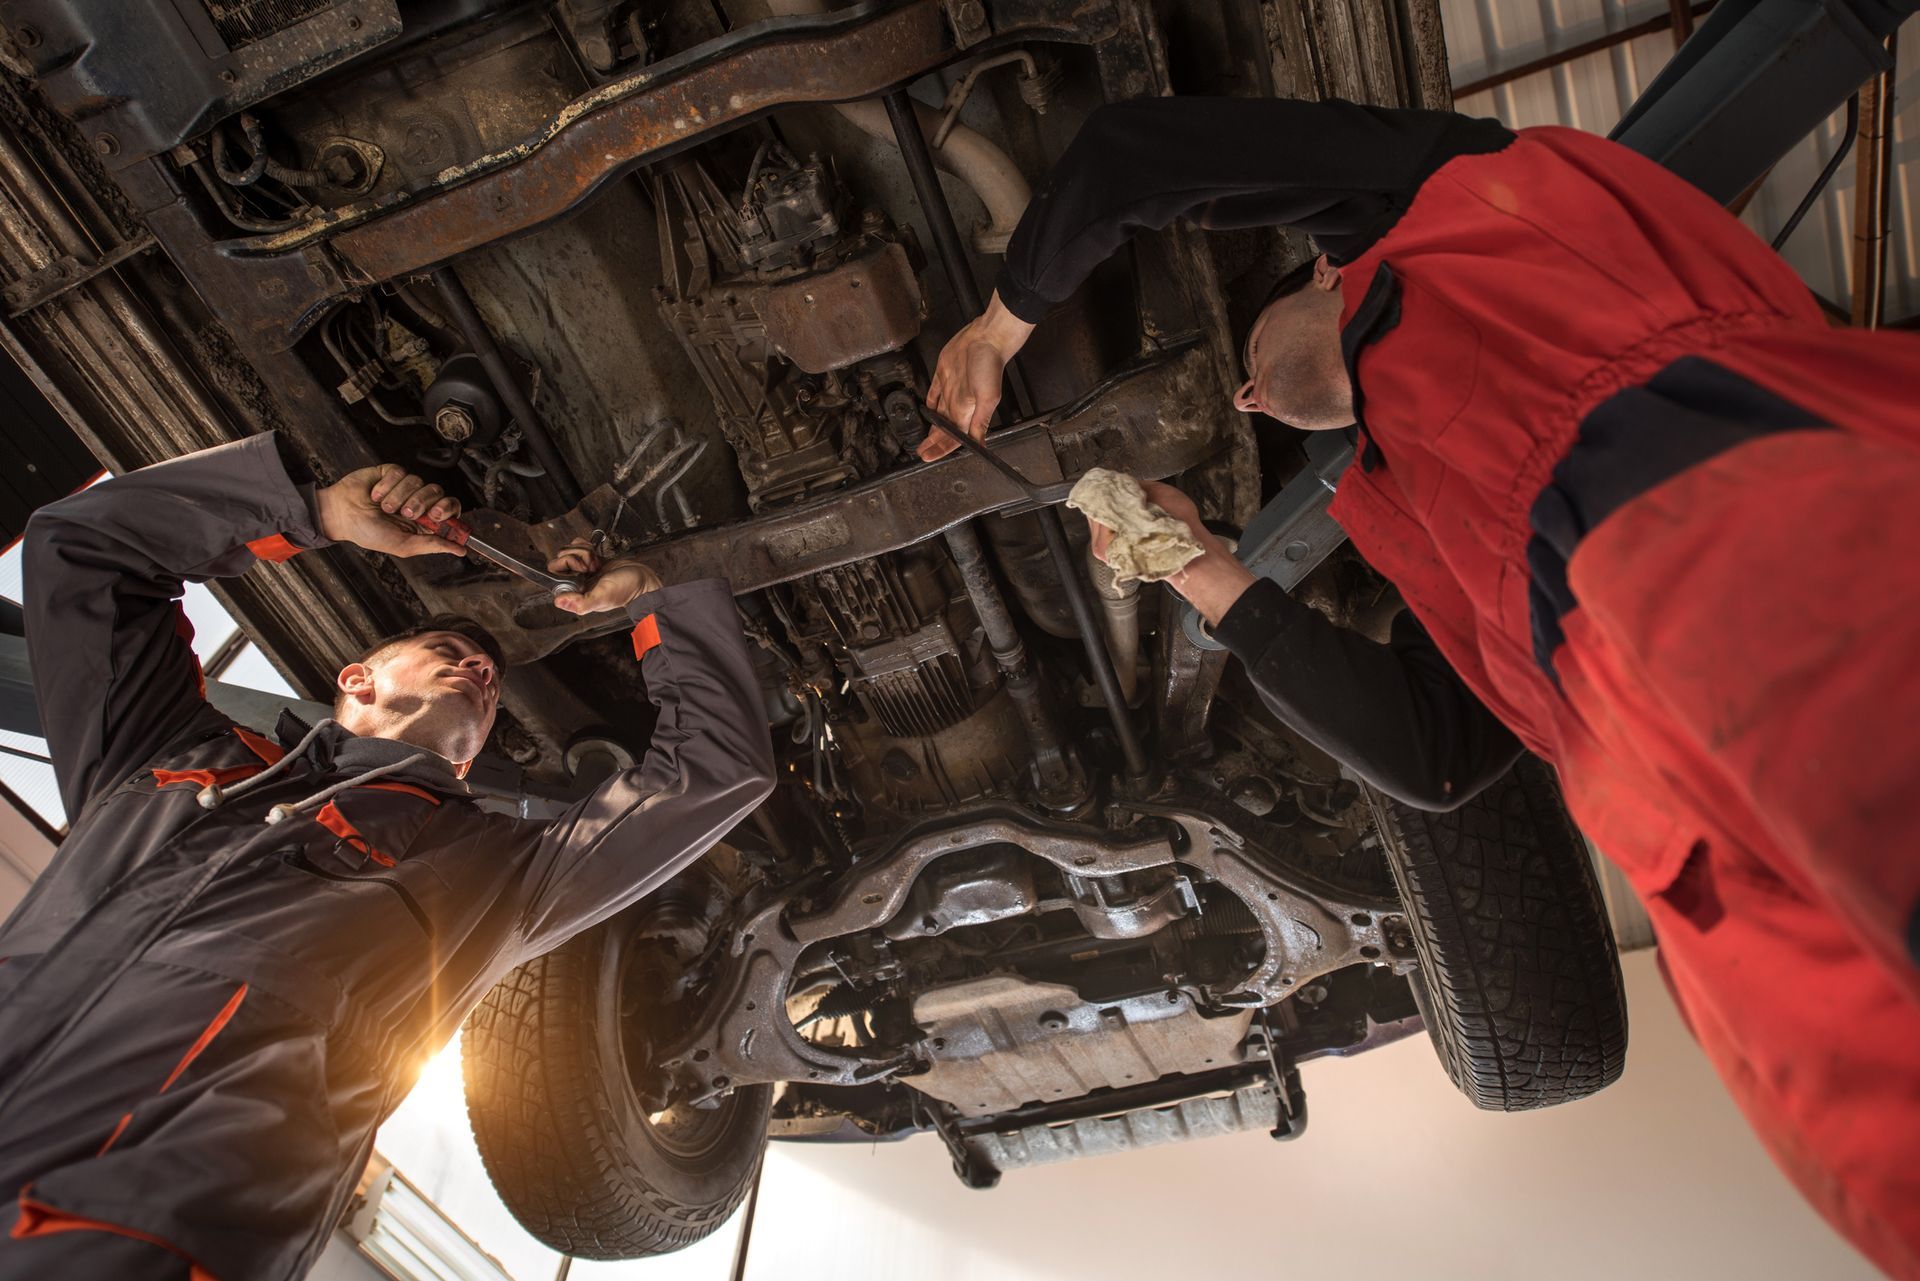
[(1591, 92)]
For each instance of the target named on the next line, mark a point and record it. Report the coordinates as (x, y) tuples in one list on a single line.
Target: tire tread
[(1519, 976)]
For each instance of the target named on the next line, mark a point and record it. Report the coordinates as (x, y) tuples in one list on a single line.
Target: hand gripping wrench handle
[(460, 534)]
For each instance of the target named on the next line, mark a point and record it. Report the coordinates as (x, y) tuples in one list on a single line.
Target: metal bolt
[(453, 422), (26, 37), (229, 77), (353, 24), (972, 15), (1053, 1021), (106, 144)]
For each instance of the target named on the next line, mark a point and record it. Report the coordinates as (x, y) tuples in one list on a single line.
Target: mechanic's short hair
[(458, 624)]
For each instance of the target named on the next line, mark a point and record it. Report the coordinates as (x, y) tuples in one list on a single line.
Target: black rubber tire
[(1519, 980), (562, 1134)]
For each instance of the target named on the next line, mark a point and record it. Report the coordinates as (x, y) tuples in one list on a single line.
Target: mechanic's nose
[(481, 664)]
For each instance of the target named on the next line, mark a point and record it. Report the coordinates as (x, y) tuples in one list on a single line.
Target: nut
[(454, 422)]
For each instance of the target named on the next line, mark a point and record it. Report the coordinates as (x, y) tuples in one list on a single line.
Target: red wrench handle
[(454, 531)]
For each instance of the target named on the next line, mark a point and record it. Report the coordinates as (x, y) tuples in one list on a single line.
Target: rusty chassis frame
[(859, 52), (744, 1035), (1154, 420)]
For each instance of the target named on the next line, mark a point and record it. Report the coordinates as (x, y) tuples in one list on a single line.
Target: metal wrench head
[(460, 534), (538, 577)]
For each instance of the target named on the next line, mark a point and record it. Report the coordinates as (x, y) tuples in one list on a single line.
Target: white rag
[(1148, 545)]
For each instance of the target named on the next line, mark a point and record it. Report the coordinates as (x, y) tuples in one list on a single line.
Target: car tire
[(549, 1063), (1518, 978)]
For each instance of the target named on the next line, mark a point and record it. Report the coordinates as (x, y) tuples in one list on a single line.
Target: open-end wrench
[(460, 534), (1039, 495)]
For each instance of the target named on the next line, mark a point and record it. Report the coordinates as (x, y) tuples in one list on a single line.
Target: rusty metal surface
[(648, 114), (866, 307), (139, 78), (136, 388), (654, 112), (1149, 423)]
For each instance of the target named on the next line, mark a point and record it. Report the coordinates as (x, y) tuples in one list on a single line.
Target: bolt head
[(106, 144), (453, 422), (973, 14)]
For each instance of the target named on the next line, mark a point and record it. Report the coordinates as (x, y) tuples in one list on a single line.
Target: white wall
[(1398, 1176)]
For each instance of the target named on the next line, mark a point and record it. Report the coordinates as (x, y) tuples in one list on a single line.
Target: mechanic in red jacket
[(246, 946), (1660, 520)]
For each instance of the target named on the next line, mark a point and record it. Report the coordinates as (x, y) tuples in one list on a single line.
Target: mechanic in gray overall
[(247, 946)]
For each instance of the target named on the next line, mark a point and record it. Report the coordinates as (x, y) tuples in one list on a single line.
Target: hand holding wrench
[(460, 534)]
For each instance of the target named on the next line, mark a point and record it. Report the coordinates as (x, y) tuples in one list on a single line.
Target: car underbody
[(1041, 875)]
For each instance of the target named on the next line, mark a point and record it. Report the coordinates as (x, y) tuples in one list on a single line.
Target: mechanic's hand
[(615, 582), (1210, 584), (966, 381), (375, 508)]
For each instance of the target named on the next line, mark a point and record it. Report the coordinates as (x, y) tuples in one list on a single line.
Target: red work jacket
[(1520, 290)]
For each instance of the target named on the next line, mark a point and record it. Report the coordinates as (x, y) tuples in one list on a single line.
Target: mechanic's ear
[(356, 682), (1325, 274)]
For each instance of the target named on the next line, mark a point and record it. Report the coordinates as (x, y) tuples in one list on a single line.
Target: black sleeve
[(1337, 170), (1395, 714)]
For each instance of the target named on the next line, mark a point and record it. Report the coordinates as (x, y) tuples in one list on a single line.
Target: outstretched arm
[(1338, 170), (709, 764), (113, 664)]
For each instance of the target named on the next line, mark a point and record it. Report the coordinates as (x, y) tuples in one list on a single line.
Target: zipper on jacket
[(299, 859)]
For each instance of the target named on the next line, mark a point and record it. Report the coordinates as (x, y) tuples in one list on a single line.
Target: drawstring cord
[(280, 813), (212, 796)]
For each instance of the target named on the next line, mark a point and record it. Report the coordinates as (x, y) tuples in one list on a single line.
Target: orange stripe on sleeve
[(646, 634), (274, 547)]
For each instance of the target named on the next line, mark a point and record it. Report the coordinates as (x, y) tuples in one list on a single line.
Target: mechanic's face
[(438, 691), (1295, 372)]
